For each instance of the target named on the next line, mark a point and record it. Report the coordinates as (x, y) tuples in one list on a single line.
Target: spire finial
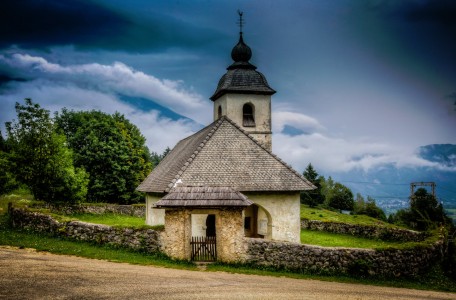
[(241, 21)]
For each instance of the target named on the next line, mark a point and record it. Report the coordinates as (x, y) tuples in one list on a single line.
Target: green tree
[(372, 210), (341, 197), (156, 158), (424, 213), (7, 180), (312, 197), (111, 149), (368, 208), (360, 204), (327, 186), (41, 159)]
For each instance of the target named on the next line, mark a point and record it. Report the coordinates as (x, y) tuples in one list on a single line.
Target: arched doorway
[(210, 225), (257, 221)]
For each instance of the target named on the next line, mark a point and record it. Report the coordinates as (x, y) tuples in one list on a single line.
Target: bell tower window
[(248, 119), (219, 112)]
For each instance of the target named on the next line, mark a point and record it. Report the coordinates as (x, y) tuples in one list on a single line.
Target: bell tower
[(244, 96)]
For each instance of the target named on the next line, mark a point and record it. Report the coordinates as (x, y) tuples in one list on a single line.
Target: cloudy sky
[(360, 83)]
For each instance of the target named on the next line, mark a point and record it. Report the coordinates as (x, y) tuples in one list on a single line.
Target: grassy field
[(328, 239), (333, 216), (18, 197), (111, 219)]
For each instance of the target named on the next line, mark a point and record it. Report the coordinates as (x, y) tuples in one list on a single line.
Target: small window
[(248, 119), (219, 113), (247, 222)]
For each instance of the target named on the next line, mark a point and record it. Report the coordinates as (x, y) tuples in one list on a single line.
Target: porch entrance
[(256, 222), (204, 248)]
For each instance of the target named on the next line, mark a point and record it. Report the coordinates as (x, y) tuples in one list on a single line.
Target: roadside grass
[(57, 245), (435, 279), (321, 214)]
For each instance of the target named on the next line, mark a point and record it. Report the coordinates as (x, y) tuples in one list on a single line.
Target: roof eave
[(222, 92)]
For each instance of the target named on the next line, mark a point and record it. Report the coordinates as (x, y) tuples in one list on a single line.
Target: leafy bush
[(111, 149), (341, 197), (368, 208)]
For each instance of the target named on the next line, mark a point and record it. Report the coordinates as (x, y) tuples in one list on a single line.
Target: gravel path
[(26, 274)]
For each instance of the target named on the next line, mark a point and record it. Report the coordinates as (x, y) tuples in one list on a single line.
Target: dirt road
[(25, 274)]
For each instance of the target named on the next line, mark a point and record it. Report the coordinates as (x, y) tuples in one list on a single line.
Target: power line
[(446, 189), (438, 186), (374, 183), (389, 197)]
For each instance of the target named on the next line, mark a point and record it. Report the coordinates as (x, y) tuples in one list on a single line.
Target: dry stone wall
[(376, 232), (364, 262), (141, 239), (259, 252), (129, 210)]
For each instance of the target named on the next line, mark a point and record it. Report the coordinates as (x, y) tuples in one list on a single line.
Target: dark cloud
[(88, 24), (4, 79), (32, 23), (440, 12), (426, 29)]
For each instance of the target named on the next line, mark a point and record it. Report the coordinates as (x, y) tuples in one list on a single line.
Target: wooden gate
[(204, 248)]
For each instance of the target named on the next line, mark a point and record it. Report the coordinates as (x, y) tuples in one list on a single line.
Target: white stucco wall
[(199, 224), (232, 105), (284, 210), (154, 216)]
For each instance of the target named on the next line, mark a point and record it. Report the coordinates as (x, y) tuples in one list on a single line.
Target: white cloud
[(97, 86), (297, 120), (336, 154), (114, 78), (160, 132)]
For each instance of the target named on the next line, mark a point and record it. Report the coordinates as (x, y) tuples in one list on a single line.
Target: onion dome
[(241, 52), (242, 77)]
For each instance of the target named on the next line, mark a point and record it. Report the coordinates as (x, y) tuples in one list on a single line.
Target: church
[(224, 182)]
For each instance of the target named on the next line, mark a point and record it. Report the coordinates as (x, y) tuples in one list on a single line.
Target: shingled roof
[(203, 196), (223, 155)]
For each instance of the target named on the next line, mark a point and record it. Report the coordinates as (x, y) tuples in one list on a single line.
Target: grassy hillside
[(18, 197), (333, 216)]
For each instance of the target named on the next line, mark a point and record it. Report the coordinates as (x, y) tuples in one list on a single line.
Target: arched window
[(248, 119), (219, 112)]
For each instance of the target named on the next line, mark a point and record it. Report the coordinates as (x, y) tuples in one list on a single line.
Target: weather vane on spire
[(241, 21)]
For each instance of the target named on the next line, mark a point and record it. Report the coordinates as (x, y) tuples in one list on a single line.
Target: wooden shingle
[(223, 155), (203, 196)]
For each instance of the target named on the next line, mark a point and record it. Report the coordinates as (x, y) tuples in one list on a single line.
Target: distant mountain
[(444, 154), (148, 105), (390, 185)]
